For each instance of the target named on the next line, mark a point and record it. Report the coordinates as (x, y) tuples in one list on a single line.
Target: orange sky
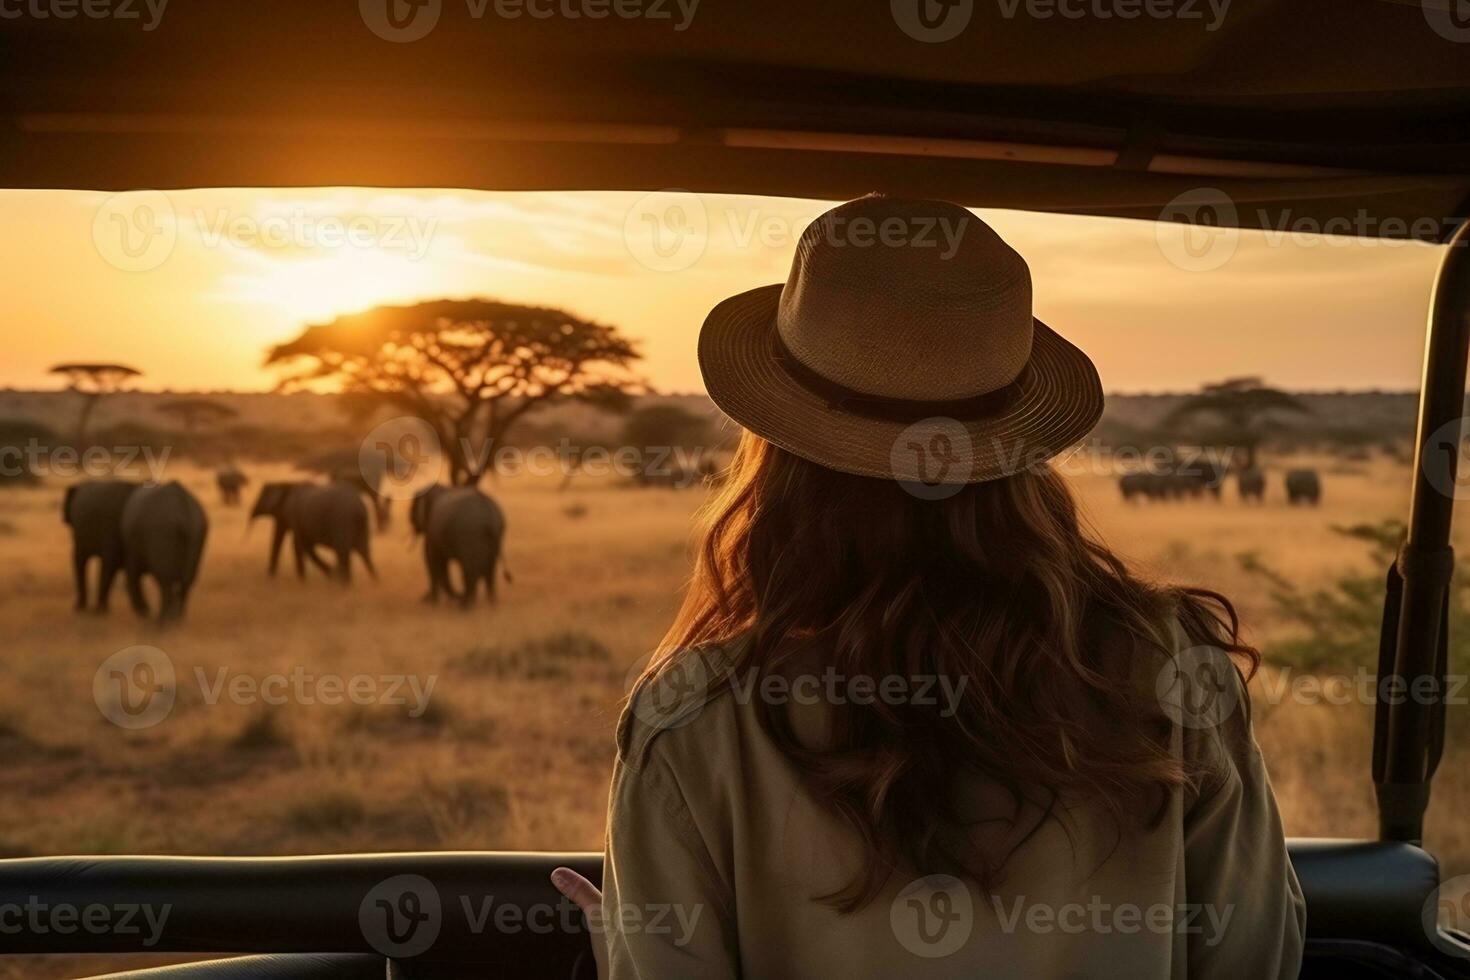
[(192, 286)]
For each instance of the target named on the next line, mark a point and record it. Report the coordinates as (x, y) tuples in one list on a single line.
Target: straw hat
[(902, 346)]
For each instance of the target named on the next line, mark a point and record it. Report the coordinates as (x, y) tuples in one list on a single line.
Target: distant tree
[(360, 407), (194, 413), (1239, 407), (342, 460), (665, 425), (17, 436), (94, 382), (470, 368)]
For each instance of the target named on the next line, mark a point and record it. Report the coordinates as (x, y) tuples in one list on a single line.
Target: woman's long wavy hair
[(998, 584)]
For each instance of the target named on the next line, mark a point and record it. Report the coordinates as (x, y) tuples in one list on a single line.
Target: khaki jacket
[(715, 850)]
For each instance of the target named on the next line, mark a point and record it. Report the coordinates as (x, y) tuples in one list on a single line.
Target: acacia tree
[(1240, 407), (470, 368), (94, 382), (192, 413), (666, 425)]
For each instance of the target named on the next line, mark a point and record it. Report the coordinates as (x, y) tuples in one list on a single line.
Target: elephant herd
[(158, 530), (1173, 483), (1303, 486)]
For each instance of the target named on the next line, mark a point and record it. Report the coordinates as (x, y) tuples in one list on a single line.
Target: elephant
[(1252, 484), (163, 532), (1173, 485), (1136, 485), (1303, 486), (230, 481), (330, 515), (1207, 476), (463, 525), (94, 511), (370, 479), (369, 482), (367, 472), (1192, 480)]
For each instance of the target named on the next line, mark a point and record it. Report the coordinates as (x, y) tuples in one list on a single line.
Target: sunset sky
[(191, 287)]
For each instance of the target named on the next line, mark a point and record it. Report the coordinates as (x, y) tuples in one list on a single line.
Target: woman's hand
[(589, 900)]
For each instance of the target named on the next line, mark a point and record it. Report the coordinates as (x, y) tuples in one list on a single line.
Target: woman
[(912, 721)]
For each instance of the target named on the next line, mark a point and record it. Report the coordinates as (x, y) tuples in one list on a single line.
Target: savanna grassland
[(515, 746)]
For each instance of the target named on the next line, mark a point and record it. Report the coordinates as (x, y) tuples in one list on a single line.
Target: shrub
[(1338, 626)]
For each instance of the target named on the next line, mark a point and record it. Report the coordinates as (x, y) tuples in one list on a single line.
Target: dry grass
[(1318, 753), (515, 749), (522, 709)]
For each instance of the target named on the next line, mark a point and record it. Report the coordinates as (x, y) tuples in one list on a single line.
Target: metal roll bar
[(1409, 717)]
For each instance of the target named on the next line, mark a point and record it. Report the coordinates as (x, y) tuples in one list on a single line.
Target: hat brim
[(1057, 400)]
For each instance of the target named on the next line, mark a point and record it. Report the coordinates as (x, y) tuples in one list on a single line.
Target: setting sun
[(316, 287)]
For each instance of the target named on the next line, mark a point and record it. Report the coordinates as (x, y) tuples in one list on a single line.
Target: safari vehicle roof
[(1353, 110)]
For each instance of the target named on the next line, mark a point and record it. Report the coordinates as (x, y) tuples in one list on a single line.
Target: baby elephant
[(1303, 487), (462, 525), (163, 531)]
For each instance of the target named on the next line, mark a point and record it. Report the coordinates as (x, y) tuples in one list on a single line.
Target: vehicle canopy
[(1351, 117)]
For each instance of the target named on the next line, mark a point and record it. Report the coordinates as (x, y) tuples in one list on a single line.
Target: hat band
[(885, 409)]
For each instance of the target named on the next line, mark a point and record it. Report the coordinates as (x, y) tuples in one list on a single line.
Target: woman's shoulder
[(1203, 689), (688, 706)]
